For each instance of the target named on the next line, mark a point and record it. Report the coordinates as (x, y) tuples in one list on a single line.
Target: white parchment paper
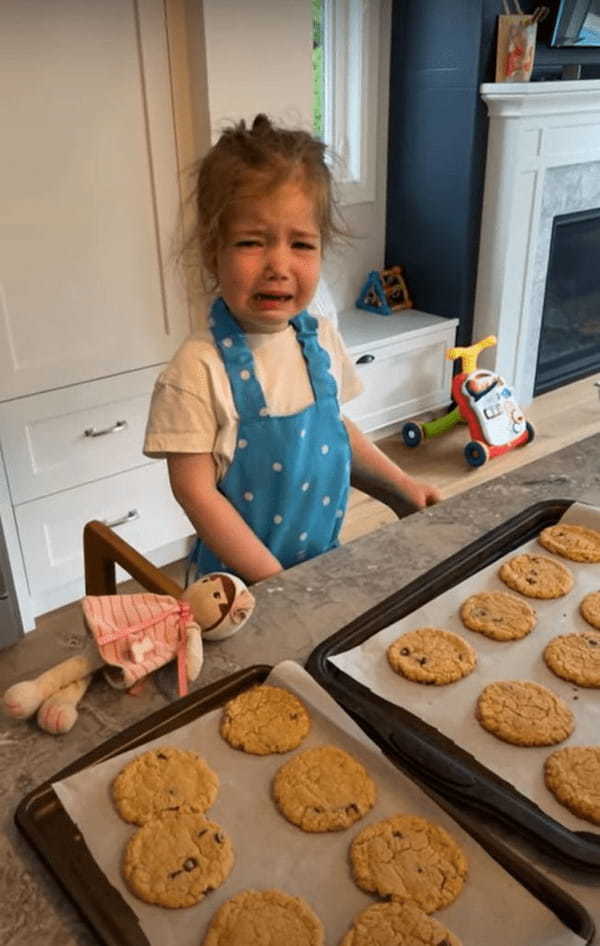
[(270, 852), (451, 708)]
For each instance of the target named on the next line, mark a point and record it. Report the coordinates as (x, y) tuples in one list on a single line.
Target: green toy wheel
[(476, 453), (412, 434)]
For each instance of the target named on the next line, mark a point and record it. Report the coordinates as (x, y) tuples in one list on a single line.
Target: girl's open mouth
[(272, 297)]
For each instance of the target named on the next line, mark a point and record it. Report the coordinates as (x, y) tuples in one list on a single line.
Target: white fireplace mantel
[(543, 159)]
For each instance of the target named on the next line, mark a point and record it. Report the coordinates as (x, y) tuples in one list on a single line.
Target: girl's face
[(269, 257)]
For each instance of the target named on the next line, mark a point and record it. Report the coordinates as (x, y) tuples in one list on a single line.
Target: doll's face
[(213, 601)]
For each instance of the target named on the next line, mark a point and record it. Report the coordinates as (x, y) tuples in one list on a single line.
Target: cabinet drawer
[(51, 529), (57, 440), (401, 379)]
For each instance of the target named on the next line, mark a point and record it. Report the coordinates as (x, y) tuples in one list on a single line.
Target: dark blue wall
[(442, 50)]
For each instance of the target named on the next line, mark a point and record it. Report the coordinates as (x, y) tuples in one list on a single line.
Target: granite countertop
[(294, 612)]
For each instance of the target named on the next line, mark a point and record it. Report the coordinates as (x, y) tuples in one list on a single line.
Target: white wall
[(347, 267), (258, 58)]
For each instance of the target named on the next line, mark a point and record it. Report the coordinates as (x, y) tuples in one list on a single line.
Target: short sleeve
[(178, 422), (182, 416)]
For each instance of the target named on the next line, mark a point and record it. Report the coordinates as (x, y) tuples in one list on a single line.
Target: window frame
[(350, 79)]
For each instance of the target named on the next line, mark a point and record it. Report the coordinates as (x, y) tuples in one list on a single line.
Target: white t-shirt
[(192, 408)]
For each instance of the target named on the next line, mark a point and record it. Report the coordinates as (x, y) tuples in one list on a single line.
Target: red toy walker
[(485, 402)]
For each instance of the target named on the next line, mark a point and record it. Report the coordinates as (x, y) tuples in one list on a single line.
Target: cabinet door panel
[(89, 193)]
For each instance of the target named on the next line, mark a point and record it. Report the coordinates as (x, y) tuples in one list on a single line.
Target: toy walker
[(485, 402)]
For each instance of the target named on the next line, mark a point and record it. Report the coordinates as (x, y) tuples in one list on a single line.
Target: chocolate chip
[(190, 864), (419, 870), (293, 715), (352, 807), (200, 833), (397, 834), (219, 838), (405, 651), (315, 808), (422, 661), (172, 808), (592, 642), (161, 756), (175, 873)]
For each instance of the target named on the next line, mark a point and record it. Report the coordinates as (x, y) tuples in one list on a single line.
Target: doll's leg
[(58, 713), (23, 699)]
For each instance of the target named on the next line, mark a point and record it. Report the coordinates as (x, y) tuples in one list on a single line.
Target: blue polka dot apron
[(290, 475)]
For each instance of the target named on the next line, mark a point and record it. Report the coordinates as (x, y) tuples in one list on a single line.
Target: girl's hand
[(422, 494)]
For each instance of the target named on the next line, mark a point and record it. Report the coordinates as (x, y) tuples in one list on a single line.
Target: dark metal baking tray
[(49, 829), (52, 833), (420, 748)]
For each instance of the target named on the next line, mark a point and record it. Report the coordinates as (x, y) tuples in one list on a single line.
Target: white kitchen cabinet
[(401, 360), (92, 301), (89, 193)]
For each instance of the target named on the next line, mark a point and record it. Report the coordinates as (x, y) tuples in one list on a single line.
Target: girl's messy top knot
[(261, 124)]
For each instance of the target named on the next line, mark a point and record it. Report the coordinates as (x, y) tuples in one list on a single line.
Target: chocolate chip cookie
[(323, 789), (590, 608), (163, 779), (537, 576), (265, 719), (173, 861), (575, 657), (573, 775), (573, 542), (397, 923), (257, 917), (498, 615), (524, 713), (431, 655), (407, 857)]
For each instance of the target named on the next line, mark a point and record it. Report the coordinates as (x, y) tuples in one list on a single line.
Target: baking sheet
[(451, 708), (270, 852)]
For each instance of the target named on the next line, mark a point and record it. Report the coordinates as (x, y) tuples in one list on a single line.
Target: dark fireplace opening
[(570, 337)]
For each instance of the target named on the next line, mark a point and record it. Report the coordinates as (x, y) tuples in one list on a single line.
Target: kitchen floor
[(560, 417)]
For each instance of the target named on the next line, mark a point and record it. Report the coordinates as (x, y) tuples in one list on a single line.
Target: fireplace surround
[(543, 161)]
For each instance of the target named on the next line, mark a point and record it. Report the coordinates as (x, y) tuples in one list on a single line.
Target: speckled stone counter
[(293, 614)]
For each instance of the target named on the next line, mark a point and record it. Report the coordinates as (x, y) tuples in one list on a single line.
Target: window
[(345, 67)]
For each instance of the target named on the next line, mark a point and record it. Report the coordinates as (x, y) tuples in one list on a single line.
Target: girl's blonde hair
[(261, 157)]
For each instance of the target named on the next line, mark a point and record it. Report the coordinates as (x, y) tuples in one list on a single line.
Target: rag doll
[(129, 637)]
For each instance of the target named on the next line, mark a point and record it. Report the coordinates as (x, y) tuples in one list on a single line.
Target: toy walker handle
[(470, 353)]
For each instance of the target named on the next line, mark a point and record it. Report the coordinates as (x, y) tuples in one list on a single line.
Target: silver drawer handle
[(128, 517), (92, 432)]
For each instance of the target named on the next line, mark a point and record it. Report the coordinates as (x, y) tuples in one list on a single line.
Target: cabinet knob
[(365, 359)]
